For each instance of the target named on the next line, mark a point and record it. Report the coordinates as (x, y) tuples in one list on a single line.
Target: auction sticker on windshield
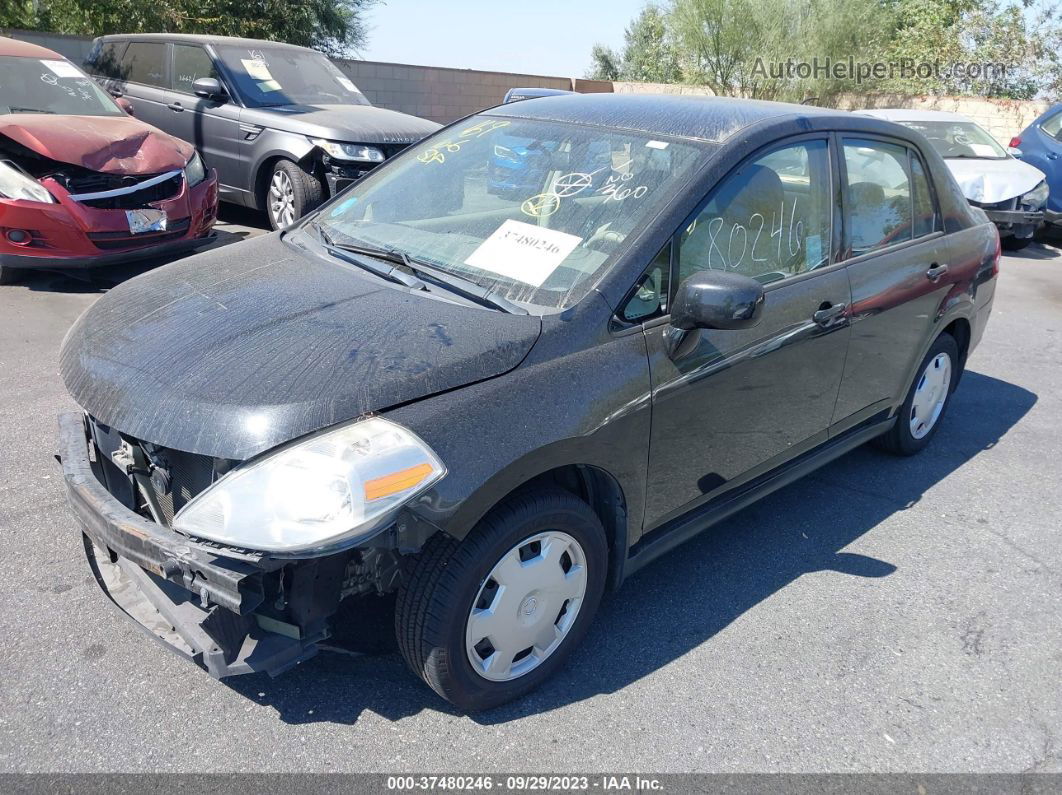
[(523, 252), (63, 68)]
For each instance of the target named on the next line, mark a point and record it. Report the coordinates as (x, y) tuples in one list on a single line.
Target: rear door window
[(879, 195), (144, 62), (190, 63)]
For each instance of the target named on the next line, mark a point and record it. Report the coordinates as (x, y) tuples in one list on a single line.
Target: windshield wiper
[(15, 109), (466, 288), (340, 250)]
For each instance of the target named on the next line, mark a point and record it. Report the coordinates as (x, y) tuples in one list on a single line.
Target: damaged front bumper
[(71, 234), (229, 615)]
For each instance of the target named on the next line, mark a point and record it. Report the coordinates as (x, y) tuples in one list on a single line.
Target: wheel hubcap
[(282, 199), (526, 606), (930, 395)]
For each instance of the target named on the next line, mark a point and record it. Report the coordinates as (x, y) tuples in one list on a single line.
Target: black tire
[(445, 579), (899, 440), (1015, 243), (307, 192), (9, 275)]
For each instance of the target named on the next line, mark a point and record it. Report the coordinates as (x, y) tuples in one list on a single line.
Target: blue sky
[(550, 37)]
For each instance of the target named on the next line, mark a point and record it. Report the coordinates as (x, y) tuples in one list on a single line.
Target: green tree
[(731, 45), (648, 55), (333, 26)]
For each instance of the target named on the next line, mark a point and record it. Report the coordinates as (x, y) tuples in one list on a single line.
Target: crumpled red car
[(84, 184)]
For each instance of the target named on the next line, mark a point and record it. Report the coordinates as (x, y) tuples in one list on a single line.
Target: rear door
[(897, 262), (731, 404), (212, 126), (144, 80)]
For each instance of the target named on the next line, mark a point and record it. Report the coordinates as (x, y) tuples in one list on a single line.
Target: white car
[(1013, 194)]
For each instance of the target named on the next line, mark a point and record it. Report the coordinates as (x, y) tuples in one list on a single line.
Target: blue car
[(1041, 146)]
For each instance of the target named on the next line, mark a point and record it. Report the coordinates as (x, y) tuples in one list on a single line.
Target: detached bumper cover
[(200, 605), (1035, 217)]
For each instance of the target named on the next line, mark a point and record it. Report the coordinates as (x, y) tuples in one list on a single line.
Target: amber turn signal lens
[(396, 482)]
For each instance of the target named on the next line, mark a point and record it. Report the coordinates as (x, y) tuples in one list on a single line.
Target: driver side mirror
[(717, 299), (209, 88)]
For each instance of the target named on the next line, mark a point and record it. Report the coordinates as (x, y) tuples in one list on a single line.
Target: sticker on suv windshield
[(62, 68), (523, 252), (256, 70)]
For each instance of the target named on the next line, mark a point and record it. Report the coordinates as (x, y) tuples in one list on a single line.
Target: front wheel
[(1015, 243), (487, 619), (928, 399), (291, 193)]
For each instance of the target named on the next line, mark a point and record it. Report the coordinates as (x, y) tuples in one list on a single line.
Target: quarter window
[(925, 214), (106, 61), (769, 220), (189, 64), (1053, 126), (649, 299), (143, 63), (879, 195)]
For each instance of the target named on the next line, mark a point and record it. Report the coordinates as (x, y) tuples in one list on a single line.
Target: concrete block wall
[(438, 93), (73, 47)]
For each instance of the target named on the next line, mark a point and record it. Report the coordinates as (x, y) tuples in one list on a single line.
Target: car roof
[(23, 49), (703, 118), (906, 114), (195, 38)]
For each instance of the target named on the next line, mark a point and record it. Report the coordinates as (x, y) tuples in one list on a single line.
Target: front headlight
[(195, 172), (342, 151), (14, 184), (1037, 196), (330, 488)]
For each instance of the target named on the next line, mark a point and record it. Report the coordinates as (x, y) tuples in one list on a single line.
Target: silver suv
[(283, 126)]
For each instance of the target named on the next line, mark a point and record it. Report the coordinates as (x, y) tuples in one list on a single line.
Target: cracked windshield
[(531, 210)]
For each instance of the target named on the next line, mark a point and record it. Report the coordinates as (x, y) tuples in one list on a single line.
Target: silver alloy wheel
[(930, 395), (282, 199), (526, 606)]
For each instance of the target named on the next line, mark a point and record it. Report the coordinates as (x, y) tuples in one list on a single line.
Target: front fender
[(589, 408), (270, 145)]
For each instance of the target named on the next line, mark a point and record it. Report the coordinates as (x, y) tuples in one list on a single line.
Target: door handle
[(935, 272), (828, 314), (177, 106)]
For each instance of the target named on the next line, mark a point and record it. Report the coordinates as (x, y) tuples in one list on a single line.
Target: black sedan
[(501, 406)]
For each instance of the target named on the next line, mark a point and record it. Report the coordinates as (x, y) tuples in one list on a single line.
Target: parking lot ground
[(883, 614)]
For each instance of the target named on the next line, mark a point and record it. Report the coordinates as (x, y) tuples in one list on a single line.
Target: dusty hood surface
[(990, 181), (111, 144), (355, 123), (236, 350)]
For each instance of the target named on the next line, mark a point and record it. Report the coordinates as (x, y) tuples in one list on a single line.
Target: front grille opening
[(139, 199), (173, 477)]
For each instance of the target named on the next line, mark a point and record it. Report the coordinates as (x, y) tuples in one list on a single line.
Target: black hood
[(236, 350)]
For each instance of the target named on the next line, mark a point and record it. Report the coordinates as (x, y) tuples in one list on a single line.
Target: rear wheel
[(921, 412), (291, 193), (485, 620)]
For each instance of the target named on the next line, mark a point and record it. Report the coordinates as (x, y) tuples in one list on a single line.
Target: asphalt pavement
[(883, 614)]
